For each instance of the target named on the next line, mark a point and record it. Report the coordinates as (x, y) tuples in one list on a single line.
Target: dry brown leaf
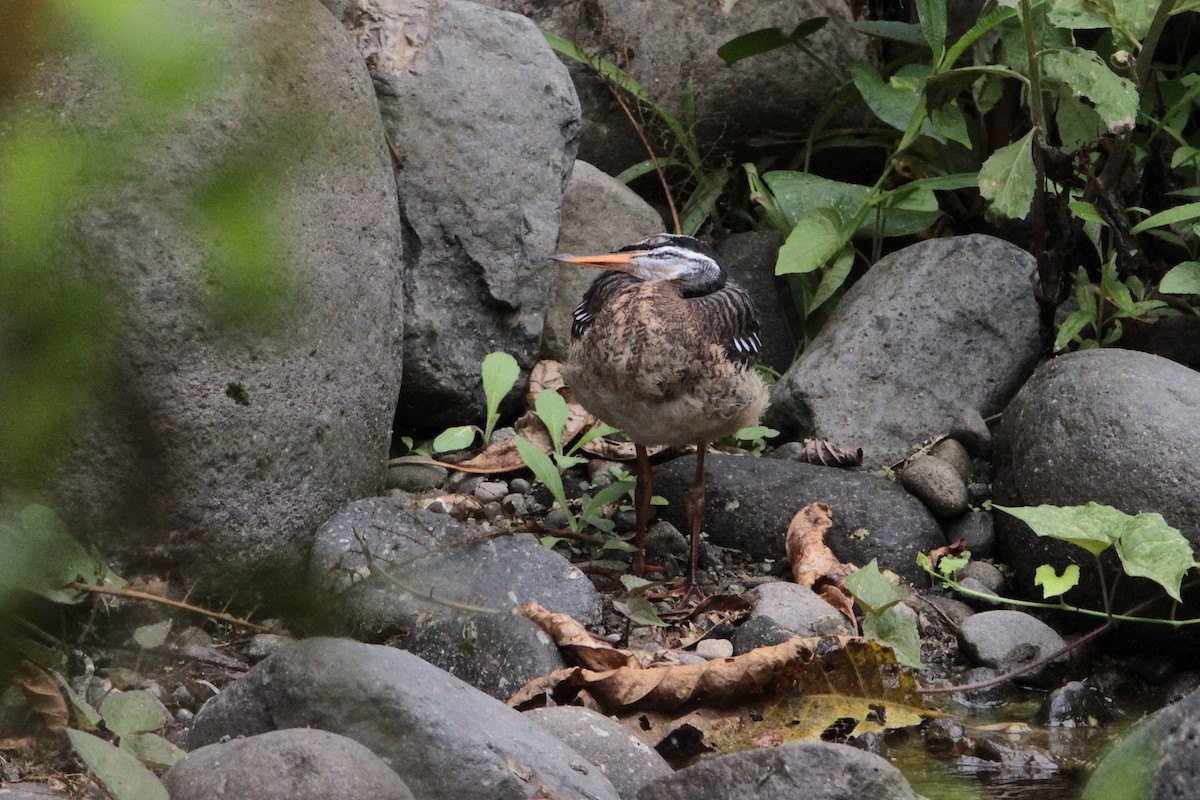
[(828, 454), (579, 645), (43, 695), (825, 665), (813, 564), (955, 548)]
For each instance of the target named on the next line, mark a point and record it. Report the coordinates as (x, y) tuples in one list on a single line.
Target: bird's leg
[(641, 507), (695, 502)]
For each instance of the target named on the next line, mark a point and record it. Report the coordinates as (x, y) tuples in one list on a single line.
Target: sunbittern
[(663, 347)]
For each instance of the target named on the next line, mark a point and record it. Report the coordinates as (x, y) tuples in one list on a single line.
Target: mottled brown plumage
[(663, 348)]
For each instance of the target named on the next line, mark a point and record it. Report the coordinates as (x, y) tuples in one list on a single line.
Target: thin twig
[(134, 594)]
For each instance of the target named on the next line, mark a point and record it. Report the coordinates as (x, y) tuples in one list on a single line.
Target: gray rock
[(29, 790), (783, 610), (986, 574), (665, 46), (971, 429), (752, 500), (750, 260), (714, 649), (1075, 705), (495, 653), (935, 327), (445, 739), (627, 761), (599, 214), (809, 770), (937, 484), (955, 454), (435, 567), (222, 454), (1005, 639), (487, 122), (983, 593), (297, 764), (1112, 426), (977, 529), (415, 477)]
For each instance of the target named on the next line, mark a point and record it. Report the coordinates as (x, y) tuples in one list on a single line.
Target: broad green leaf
[(752, 44), (1086, 212), (1150, 548), (892, 101), (1183, 278), (1078, 124), (906, 32), (1131, 18), (1094, 527), (909, 209), (812, 242), (932, 14), (459, 437), (873, 591), (634, 584), (85, 717), (1006, 179), (552, 410), (152, 750), (544, 470), (121, 773), (1184, 213), (897, 630), (1081, 73), (152, 636), (500, 372), (136, 711), (640, 610), (948, 565), (1054, 584), (756, 432), (1071, 327), (832, 279), (38, 555)]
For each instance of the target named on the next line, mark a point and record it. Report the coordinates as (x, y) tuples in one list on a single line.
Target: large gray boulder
[(220, 454), (1117, 427), (930, 330), (445, 739), (485, 124), (664, 46)]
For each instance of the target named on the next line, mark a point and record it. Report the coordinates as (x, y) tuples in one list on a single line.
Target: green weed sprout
[(500, 372)]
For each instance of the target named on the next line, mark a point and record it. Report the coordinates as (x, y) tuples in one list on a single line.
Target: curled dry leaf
[(955, 548), (830, 665), (828, 454), (579, 645), (813, 564), (43, 696)]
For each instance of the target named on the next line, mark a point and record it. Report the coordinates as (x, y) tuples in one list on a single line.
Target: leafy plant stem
[(1046, 659), (1048, 273), (1145, 58), (658, 170), (1104, 596)]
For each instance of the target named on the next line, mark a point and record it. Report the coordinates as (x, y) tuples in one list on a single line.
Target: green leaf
[(152, 750), (84, 716), (703, 200), (1184, 213), (1183, 278), (897, 630), (906, 32), (1054, 584), (1081, 73), (948, 565), (634, 584), (766, 39), (873, 591), (500, 372), (1078, 124), (544, 470), (1150, 548), (136, 711), (932, 14), (813, 241), (150, 637), (121, 773), (832, 279), (1086, 212), (908, 209), (1007, 178), (1071, 328), (552, 410), (756, 432), (892, 101), (38, 555), (640, 610), (459, 437), (1094, 527)]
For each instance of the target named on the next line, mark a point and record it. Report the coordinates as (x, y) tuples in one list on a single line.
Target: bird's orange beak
[(618, 262)]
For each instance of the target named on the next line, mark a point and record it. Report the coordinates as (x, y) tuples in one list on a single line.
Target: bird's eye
[(657, 240)]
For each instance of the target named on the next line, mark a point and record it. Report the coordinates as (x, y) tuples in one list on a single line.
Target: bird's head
[(689, 263)]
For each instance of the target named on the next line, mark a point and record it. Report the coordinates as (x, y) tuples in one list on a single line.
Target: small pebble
[(937, 484), (972, 430), (490, 491), (556, 519), (515, 505), (519, 486), (493, 510), (415, 477), (502, 435), (183, 716), (711, 649), (954, 454)]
